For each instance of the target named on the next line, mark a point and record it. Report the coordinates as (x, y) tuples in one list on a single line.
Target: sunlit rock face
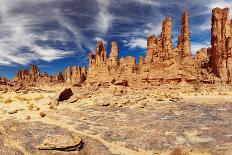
[(221, 44)]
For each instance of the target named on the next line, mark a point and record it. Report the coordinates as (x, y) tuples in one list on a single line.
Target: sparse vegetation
[(22, 98), (7, 101), (31, 106), (40, 97)]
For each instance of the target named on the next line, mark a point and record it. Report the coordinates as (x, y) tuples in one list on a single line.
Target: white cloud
[(148, 2), (137, 42), (104, 18), (17, 34)]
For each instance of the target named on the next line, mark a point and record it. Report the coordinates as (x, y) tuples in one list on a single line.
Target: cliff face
[(221, 44)]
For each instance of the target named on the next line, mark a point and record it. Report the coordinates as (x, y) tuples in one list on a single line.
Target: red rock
[(221, 44)]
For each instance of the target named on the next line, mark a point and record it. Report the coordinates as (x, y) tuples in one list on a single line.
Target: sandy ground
[(132, 121)]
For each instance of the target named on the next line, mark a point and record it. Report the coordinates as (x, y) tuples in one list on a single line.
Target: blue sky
[(56, 33)]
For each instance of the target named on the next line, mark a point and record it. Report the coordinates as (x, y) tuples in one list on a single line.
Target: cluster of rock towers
[(163, 62)]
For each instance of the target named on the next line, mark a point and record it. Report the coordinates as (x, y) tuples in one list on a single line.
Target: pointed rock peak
[(114, 50), (100, 47)]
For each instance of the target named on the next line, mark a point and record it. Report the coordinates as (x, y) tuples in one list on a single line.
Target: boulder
[(65, 94)]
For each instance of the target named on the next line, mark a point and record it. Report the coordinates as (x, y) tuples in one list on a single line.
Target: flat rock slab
[(30, 137), (61, 142)]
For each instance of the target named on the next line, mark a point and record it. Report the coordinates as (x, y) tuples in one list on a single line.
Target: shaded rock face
[(33, 76), (75, 75), (221, 44)]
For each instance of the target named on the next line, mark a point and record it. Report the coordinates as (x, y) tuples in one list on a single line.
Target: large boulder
[(65, 94)]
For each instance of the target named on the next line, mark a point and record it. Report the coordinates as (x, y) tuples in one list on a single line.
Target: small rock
[(54, 103), (42, 114), (105, 104), (13, 112), (27, 117)]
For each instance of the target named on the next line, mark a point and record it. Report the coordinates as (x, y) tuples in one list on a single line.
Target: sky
[(54, 34)]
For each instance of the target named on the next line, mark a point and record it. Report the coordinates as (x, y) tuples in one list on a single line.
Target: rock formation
[(33, 76), (163, 61), (221, 44), (3, 81)]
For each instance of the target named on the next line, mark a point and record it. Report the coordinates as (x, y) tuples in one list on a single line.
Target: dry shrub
[(7, 101), (40, 97)]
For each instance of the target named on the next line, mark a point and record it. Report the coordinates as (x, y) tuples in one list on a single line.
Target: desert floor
[(117, 120)]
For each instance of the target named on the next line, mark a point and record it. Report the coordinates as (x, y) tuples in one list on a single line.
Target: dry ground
[(118, 120)]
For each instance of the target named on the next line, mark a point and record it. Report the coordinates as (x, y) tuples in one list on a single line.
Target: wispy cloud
[(104, 18), (18, 40)]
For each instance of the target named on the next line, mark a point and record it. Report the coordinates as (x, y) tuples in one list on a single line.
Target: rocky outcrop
[(33, 77), (221, 44)]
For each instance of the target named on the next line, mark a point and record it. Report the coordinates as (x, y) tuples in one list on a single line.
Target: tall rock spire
[(185, 34), (100, 53), (114, 54), (91, 60), (221, 44), (166, 38), (151, 48), (68, 74)]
